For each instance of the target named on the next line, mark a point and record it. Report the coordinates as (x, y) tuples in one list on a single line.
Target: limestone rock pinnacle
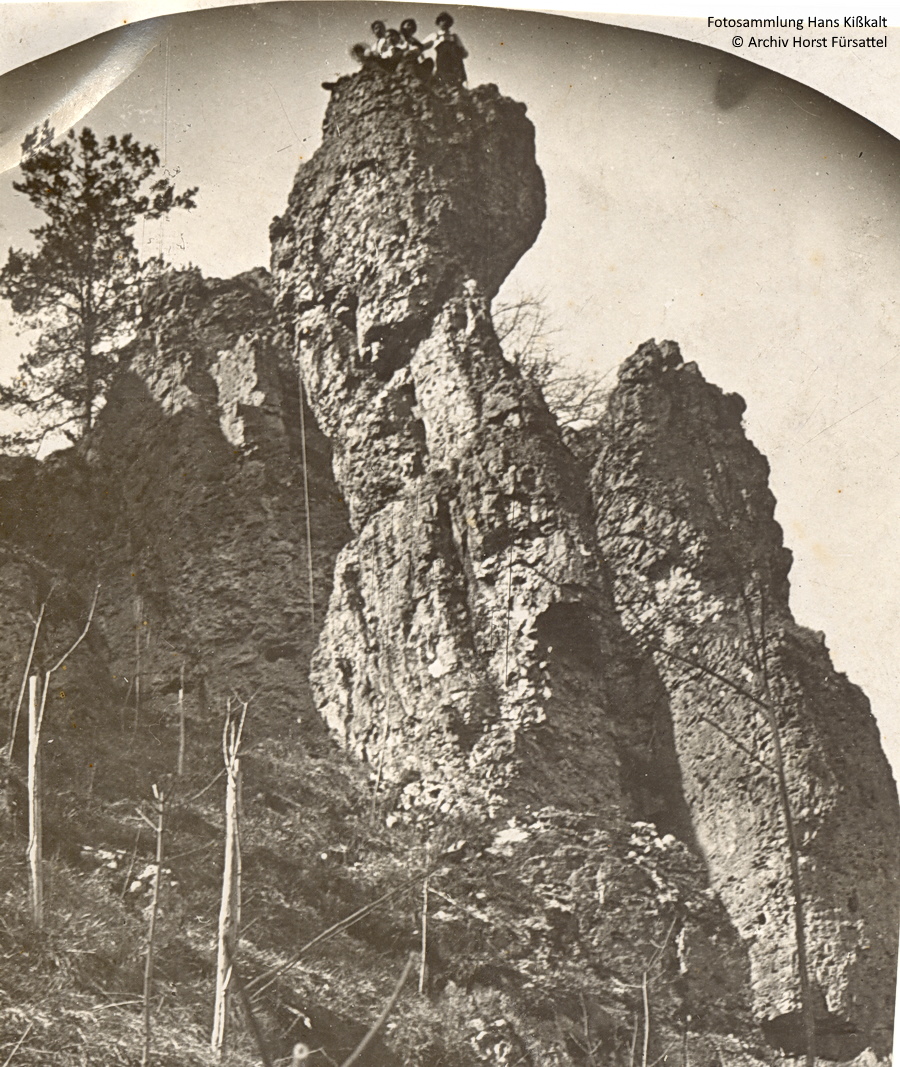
[(685, 518), (449, 658)]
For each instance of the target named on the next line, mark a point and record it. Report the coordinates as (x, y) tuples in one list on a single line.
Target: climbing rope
[(309, 560)]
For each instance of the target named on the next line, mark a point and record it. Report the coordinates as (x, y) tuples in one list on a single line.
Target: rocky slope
[(468, 507), (188, 506), (541, 698)]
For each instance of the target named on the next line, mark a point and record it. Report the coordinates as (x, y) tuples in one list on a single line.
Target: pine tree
[(81, 287)]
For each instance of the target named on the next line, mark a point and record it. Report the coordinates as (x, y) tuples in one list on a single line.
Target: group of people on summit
[(393, 47)]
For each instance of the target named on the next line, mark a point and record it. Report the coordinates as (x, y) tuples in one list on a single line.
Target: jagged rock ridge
[(186, 505)]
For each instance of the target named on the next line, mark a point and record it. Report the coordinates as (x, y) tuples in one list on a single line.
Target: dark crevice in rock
[(836, 1039)]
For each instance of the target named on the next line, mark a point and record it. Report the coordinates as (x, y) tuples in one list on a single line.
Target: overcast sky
[(691, 196)]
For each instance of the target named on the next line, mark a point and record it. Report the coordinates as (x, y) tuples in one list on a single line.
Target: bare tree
[(249, 1014), (524, 332), (424, 924), (676, 634), (575, 396), (35, 850), (138, 666), (230, 907), (765, 702), (182, 736), (159, 828), (14, 718), (36, 709)]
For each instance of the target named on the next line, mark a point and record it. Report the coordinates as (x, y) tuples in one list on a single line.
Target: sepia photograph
[(448, 509)]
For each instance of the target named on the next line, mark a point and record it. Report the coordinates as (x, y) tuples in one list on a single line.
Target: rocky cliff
[(551, 722), (472, 586), (187, 506), (790, 794)]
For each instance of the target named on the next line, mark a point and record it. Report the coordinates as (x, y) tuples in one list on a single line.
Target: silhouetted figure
[(413, 49), (393, 50), (408, 29), (449, 52), (365, 57), (380, 31)]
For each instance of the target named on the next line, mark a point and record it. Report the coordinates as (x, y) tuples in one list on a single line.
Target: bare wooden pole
[(262, 982), (181, 724), (138, 621), (26, 674), (159, 798), (130, 870), (36, 709), (250, 1015), (18, 1044), (35, 842), (383, 1017), (424, 926), (62, 659), (230, 907)]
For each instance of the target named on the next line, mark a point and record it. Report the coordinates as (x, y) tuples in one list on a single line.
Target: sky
[(691, 196)]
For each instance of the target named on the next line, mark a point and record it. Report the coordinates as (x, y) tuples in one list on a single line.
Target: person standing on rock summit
[(381, 39), (410, 42), (413, 48), (449, 52), (392, 51)]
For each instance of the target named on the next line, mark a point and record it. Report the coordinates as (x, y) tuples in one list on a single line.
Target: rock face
[(187, 504), (471, 652), (410, 197), (685, 519), (202, 443)]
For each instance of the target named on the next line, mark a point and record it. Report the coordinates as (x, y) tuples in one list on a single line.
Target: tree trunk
[(424, 932), (181, 724), (138, 624), (230, 909), (160, 798), (14, 722), (35, 841)]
